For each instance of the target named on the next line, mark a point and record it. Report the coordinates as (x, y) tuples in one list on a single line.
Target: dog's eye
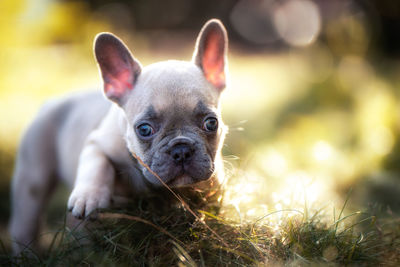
[(145, 130), (210, 124)]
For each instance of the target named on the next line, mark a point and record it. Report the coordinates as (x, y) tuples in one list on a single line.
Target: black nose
[(181, 153)]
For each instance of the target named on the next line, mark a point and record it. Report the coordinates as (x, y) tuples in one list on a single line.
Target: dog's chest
[(129, 180)]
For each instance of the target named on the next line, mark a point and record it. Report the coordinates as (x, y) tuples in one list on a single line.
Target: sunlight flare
[(322, 151)]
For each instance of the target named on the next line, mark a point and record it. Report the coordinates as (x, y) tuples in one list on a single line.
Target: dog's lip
[(181, 180), (185, 180)]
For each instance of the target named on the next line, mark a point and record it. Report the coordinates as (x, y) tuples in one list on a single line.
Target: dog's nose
[(181, 153)]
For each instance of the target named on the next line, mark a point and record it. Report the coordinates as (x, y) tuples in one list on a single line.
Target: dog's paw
[(84, 201)]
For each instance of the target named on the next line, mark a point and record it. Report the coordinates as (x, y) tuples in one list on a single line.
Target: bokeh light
[(298, 22)]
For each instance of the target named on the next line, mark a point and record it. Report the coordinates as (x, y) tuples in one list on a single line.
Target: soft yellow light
[(251, 212), (274, 163), (249, 188), (314, 191), (380, 140), (322, 151), (278, 206)]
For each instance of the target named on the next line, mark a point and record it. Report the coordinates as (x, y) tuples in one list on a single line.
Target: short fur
[(86, 140)]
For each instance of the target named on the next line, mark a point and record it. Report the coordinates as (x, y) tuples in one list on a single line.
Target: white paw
[(84, 200)]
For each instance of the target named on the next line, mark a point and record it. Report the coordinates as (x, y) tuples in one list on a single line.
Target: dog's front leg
[(94, 184)]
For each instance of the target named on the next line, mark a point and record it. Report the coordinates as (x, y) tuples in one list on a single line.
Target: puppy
[(166, 114)]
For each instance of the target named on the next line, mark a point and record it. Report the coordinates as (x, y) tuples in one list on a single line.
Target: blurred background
[(312, 103)]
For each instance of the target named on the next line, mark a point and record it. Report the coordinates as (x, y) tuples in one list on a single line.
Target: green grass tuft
[(150, 234)]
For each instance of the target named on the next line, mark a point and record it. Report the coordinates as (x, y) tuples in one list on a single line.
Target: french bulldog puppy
[(167, 114)]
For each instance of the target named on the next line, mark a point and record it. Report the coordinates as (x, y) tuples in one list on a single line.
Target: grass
[(150, 233)]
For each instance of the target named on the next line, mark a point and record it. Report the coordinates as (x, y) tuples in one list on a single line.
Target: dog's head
[(172, 108)]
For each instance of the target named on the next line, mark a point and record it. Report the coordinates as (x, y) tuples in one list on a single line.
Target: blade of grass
[(272, 213), (357, 223), (346, 217), (344, 205), (178, 197), (212, 216), (108, 215), (187, 260), (203, 264), (238, 253)]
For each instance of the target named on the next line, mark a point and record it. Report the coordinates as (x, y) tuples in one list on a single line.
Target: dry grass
[(150, 233)]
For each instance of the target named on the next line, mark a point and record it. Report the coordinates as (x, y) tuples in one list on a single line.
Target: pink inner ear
[(213, 60), (116, 85)]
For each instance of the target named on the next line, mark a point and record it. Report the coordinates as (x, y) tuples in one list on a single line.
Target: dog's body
[(167, 114)]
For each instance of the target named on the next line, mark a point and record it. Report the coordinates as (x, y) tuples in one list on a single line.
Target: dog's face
[(172, 108)]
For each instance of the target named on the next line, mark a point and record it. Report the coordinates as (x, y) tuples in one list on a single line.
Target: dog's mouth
[(185, 180), (181, 181)]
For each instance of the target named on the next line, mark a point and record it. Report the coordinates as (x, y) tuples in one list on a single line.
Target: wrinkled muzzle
[(181, 162)]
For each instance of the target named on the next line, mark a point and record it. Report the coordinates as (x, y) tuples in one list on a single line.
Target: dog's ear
[(210, 52), (118, 67)]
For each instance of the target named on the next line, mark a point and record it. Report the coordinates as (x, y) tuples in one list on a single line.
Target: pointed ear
[(118, 67), (210, 52)]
